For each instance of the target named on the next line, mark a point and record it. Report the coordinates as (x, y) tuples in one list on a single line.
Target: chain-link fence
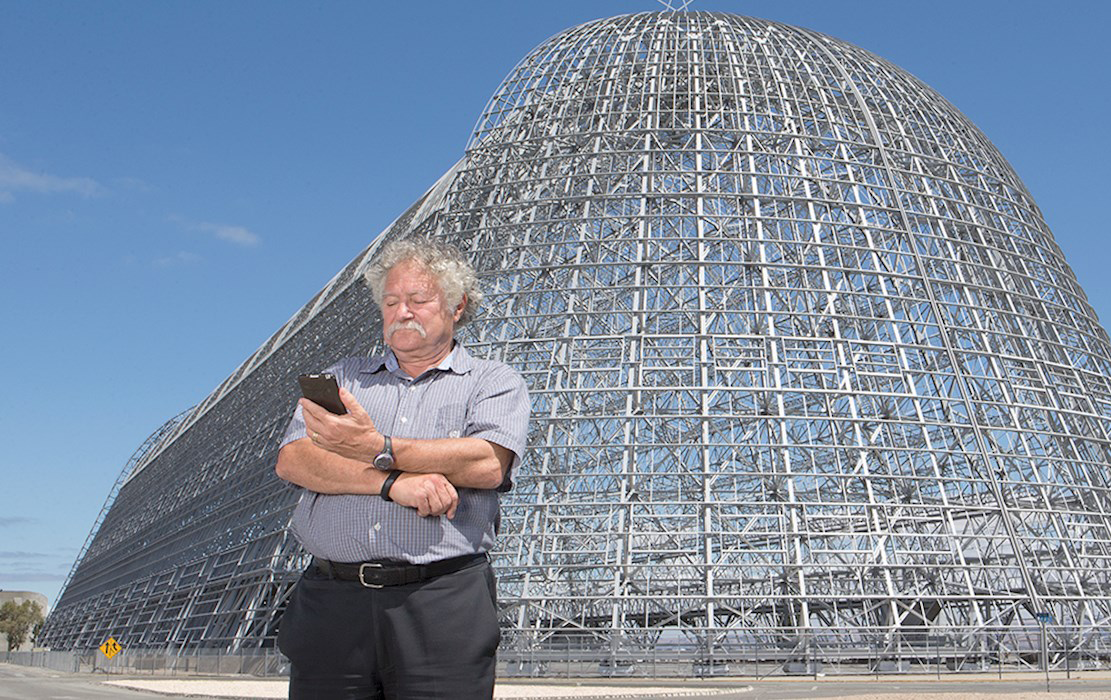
[(155, 662), (756, 653)]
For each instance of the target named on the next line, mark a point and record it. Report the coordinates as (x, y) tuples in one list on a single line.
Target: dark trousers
[(430, 640)]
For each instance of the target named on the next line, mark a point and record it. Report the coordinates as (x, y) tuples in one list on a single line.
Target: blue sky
[(178, 178)]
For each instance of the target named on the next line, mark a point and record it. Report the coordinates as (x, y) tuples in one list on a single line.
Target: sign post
[(110, 648), (1043, 619)]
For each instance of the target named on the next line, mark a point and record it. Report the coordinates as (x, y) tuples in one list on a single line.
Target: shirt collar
[(458, 361)]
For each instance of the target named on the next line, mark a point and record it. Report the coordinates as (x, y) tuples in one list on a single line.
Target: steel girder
[(806, 365)]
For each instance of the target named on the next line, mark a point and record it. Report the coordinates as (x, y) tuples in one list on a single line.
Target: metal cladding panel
[(804, 357)]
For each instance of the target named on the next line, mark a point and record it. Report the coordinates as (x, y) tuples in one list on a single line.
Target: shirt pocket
[(451, 420)]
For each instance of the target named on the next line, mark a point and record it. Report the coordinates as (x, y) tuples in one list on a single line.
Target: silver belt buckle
[(374, 565)]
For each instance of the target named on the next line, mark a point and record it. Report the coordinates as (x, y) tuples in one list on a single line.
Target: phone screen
[(323, 390)]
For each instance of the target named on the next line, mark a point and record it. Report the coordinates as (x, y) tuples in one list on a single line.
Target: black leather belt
[(379, 574)]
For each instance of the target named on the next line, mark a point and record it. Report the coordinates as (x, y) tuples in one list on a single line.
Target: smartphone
[(322, 390)]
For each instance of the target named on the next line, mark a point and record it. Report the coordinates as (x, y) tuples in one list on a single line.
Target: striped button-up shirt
[(462, 397)]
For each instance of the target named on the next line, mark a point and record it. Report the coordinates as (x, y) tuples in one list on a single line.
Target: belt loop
[(325, 567)]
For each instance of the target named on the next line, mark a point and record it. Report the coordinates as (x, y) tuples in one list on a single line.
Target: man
[(400, 503)]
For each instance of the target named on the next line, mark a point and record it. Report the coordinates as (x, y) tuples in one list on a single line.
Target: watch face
[(384, 462)]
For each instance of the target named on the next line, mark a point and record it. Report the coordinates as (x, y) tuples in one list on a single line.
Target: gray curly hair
[(445, 262)]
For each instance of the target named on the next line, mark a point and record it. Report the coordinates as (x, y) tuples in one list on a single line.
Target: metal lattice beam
[(807, 368)]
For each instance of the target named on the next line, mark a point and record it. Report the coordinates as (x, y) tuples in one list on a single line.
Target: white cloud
[(132, 183), (31, 576), (233, 234), (16, 178), (180, 258), (239, 235)]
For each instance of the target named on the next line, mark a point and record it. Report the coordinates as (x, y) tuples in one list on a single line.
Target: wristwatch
[(384, 459)]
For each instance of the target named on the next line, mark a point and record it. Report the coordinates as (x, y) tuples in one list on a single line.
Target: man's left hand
[(351, 435)]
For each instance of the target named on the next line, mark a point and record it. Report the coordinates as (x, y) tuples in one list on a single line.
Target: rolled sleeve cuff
[(296, 429)]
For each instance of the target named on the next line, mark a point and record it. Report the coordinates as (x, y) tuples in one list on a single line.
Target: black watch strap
[(388, 484)]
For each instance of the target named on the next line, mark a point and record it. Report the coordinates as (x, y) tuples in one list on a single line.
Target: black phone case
[(322, 390)]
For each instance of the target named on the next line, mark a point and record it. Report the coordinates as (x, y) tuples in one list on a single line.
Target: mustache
[(406, 326)]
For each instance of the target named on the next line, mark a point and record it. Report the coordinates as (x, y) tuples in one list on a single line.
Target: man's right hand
[(429, 494)]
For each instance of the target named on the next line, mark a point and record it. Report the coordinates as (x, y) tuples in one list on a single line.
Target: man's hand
[(429, 494), (351, 435)]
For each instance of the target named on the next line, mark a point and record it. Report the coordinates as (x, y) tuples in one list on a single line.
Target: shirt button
[(412, 388), (404, 419)]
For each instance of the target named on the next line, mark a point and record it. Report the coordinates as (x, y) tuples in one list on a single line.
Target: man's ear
[(459, 308)]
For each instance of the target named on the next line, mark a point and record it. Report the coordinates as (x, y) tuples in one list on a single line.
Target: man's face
[(415, 315)]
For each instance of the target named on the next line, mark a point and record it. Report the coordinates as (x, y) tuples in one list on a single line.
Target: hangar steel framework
[(808, 370)]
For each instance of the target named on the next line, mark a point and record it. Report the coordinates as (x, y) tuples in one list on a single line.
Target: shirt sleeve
[(500, 414), (296, 429)]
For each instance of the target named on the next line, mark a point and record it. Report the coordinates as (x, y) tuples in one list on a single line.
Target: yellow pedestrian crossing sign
[(110, 648)]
